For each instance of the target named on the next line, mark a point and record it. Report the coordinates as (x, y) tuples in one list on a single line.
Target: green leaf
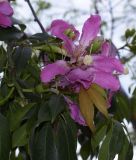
[(123, 109), (5, 99), (65, 142), (132, 48), (133, 106), (129, 33), (113, 143), (50, 142), (117, 140), (5, 141), (86, 150), (3, 59), (56, 106), (126, 152), (42, 5), (16, 114), (104, 149), (13, 156), (40, 36), (42, 145), (72, 126), (34, 71), (98, 136), (44, 114), (9, 34), (21, 57), (19, 137)]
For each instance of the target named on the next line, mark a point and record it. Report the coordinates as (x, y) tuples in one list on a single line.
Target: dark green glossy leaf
[(123, 109), (34, 71), (50, 142), (133, 107), (16, 114), (42, 145), (19, 137), (5, 99), (11, 33), (98, 136), (126, 152), (72, 126), (40, 37), (3, 59), (14, 157), (132, 48), (56, 105), (104, 149), (5, 142), (44, 114), (117, 140), (86, 150), (21, 57), (65, 142)]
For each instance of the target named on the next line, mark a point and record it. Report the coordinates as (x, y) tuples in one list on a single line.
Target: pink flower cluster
[(84, 67), (5, 14)]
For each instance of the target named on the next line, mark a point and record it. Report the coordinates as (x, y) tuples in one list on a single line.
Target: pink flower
[(84, 68), (5, 13)]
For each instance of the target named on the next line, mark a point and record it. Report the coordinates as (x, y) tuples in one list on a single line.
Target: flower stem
[(35, 16)]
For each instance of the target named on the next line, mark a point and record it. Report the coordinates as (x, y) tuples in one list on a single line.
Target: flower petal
[(105, 49), (110, 96), (75, 112), (90, 30), (58, 28), (107, 64), (5, 21), (106, 80), (80, 76), (108, 49), (5, 8), (51, 70)]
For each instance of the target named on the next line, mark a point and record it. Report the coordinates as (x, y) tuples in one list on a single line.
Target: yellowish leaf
[(86, 108), (99, 89), (98, 100)]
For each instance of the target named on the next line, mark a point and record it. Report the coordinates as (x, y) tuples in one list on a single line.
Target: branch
[(35, 16), (112, 18), (97, 12)]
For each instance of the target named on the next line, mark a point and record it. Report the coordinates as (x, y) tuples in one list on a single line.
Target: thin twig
[(123, 46), (97, 12), (112, 18), (35, 16)]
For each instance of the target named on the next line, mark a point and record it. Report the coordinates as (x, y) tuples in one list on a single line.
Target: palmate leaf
[(95, 96)]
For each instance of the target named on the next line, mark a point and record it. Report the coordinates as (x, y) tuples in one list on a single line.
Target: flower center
[(88, 60)]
